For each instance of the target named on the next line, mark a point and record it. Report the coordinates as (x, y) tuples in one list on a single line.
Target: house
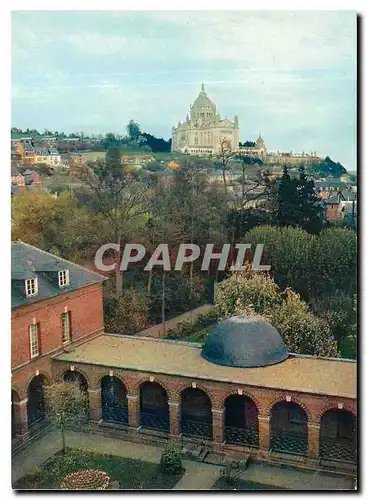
[(55, 305), (17, 179), (31, 177), (42, 155), (333, 208), (29, 154), (340, 204), (54, 156)]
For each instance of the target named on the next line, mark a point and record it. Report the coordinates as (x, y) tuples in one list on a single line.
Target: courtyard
[(136, 466)]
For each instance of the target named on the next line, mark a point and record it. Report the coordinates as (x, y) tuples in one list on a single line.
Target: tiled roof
[(31, 262), (297, 373)]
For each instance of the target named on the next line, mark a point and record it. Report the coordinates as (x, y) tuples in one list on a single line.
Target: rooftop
[(29, 262), (297, 373)]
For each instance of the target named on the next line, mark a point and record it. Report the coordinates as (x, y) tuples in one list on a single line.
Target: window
[(66, 331), (63, 278), (33, 340), (31, 287)]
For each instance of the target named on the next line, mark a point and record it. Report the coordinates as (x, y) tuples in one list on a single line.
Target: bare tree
[(225, 155), (120, 197)]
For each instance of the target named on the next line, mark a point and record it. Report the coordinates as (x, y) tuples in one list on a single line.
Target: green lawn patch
[(93, 155), (222, 484), (131, 474)]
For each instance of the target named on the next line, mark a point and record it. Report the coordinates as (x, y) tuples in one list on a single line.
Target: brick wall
[(86, 308)]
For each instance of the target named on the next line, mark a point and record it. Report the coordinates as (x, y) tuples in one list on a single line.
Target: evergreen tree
[(311, 216), (287, 201)]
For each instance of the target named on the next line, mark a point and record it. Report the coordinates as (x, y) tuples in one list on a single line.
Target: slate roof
[(245, 341), (309, 374), (15, 170), (332, 200), (41, 151), (29, 172), (29, 262), (53, 151)]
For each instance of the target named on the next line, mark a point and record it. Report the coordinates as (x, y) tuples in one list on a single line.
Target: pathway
[(198, 476)]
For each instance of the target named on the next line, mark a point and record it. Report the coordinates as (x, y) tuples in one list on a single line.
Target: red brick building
[(55, 305), (242, 393)]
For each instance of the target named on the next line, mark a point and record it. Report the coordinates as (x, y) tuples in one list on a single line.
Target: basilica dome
[(203, 99), (245, 342)]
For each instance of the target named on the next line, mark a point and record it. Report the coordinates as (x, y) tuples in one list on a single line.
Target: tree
[(287, 201), (302, 331), (126, 314), (333, 262), (312, 216), (67, 407), (256, 294), (32, 218), (287, 250), (248, 292), (121, 197), (224, 156), (133, 130), (247, 160)]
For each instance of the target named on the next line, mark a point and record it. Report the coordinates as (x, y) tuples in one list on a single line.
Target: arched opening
[(338, 436), (36, 401), (114, 400), (241, 423), (14, 399), (196, 414), (154, 411), (76, 377), (288, 429)]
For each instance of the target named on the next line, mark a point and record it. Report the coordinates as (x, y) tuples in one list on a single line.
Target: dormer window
[(31, 287), (63, 278)]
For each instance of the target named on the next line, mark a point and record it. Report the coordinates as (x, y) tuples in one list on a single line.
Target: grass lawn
[(131, 474), (222, 484), (93, 155)]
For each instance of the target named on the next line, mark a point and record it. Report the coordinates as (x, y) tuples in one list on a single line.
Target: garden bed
[(130, 474)]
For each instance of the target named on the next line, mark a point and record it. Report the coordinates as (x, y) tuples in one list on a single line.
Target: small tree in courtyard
[(67, 407), (171, 459)]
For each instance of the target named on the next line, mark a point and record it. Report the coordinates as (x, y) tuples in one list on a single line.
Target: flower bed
[(86, 480)]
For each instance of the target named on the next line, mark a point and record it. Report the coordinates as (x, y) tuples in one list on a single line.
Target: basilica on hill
[(201, 133)]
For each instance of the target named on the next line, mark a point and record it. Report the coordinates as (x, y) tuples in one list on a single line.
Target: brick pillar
[(174, 419), (264, 433), (21, 418), (218, 428), (95, 404), (313, 440), (133, 408)]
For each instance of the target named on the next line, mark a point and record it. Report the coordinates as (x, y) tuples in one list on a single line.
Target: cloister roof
[(297, 373)]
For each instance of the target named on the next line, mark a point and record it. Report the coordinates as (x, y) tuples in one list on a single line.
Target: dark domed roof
[(246, 342)]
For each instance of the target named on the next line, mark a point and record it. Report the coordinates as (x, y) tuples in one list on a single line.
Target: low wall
[(161, 330)]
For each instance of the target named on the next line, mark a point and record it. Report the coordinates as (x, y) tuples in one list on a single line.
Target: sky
[(290, 76)]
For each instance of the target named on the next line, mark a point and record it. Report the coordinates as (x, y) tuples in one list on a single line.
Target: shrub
[(171, 460)]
